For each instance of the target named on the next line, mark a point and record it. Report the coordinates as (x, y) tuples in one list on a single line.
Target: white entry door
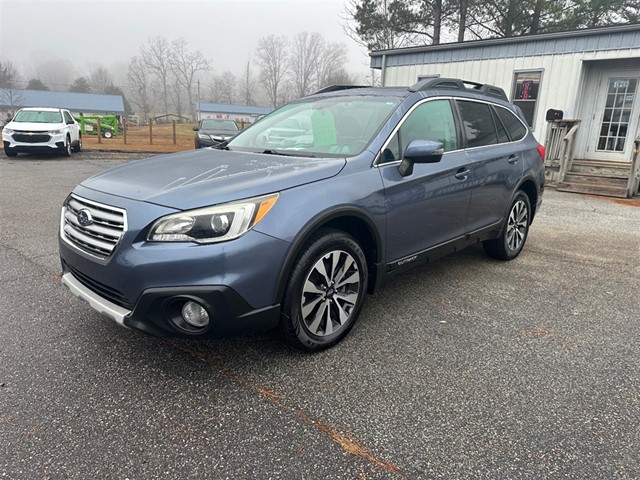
[(615, 116)]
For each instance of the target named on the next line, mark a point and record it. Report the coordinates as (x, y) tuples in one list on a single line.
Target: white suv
[(42, 130)]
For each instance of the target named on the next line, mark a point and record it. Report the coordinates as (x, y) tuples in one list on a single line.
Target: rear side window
[(478, 126), (502, 133), (516, 130)]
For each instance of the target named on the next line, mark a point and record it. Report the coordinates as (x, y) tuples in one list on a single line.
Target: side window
[(67, 117), (432, 120), (516, 129), (478, 124), (502, 133)]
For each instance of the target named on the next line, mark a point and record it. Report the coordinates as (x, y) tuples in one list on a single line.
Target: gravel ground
[(465, 368)]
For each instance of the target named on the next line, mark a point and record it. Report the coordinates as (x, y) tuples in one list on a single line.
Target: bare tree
[(185, 64), (213, 90), (156, 57), (247, 84), (331, 61), (175, 93), (227, 87), (140, 90), (304, 57), (10, 95), (271, 55), (100, 80)]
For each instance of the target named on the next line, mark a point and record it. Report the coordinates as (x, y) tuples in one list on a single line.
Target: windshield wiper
[(287, 154), (222, 145)]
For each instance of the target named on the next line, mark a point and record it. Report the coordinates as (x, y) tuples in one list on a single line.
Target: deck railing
[(560, 146)]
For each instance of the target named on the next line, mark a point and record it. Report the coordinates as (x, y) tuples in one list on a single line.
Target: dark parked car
[(296, 218), (212, 131)]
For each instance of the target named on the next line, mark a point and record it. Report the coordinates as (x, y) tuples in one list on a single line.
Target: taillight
[(541, 151)]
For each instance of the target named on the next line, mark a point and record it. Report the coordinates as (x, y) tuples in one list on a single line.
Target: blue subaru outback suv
[(295, 219)]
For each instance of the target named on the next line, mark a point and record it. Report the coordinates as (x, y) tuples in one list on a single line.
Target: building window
[(526, 86)]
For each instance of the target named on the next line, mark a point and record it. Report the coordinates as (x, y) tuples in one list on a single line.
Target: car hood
[(34, 127), (199, 178)]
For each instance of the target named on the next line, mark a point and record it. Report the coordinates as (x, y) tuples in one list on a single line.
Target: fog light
[(195, 315)]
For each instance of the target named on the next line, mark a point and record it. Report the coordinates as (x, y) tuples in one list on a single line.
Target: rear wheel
[(514, 233), (10, 152), (107, 134), (325, 292), (78, 146)]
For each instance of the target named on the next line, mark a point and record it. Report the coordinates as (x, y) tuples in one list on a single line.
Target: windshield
[(37, 116), (212, 124), (327, 126)]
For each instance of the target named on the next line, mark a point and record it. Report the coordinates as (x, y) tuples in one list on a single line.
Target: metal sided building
[(591, 75), (75, 102)]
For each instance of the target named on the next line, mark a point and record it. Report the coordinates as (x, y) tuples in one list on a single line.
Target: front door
[(615, 117)]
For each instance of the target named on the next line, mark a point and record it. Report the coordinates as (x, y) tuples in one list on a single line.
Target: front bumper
[(52, 143), (157, 311)]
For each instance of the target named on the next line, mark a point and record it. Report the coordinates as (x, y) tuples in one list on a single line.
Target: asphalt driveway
[(465, 368)]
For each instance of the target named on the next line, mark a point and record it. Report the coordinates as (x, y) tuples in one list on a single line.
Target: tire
[(107, 134), (78, 146), (325, 292), (10, 152), (515, 231), (66, 149)]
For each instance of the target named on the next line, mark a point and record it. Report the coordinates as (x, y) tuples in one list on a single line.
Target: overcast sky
[(93, 32)]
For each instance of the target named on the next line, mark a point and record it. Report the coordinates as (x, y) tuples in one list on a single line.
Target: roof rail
[(335, 88), (457, 84)]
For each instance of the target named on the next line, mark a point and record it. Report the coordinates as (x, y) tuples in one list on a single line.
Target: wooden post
[(99, 132), (174, 132), (151, 131), (124, 129)]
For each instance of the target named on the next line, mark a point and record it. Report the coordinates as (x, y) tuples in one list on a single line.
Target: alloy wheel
[(517, 225), (330, 293)]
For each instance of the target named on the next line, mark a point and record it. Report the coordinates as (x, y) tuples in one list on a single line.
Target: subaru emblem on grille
[(84, 217)]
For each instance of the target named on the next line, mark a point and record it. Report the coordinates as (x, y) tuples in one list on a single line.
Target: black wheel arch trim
[(376, 269)]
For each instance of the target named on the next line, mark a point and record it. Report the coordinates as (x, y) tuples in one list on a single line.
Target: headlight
[(8, 131), (212, 224), (203, 135), (55, 132)]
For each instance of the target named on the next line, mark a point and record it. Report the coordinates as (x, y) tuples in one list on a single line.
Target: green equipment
[(89, 125)]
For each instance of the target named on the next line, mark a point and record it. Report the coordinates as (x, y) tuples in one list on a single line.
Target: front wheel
[(514, 233), (325, 292), (66, 149), (107, 134)]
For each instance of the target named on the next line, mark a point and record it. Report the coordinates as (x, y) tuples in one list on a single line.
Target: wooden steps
[(597, 178)]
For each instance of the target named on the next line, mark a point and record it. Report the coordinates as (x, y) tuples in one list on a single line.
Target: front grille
[(31, 137), (105, 291), (100, 234)]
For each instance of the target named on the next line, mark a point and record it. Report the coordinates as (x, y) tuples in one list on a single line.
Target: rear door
[(496, 163), (428, 207)]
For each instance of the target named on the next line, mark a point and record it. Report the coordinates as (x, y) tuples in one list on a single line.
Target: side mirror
[(420, 151), (195, 129)]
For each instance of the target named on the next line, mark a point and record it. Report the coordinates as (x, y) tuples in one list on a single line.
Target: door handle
[(513, 159), (462, 174)]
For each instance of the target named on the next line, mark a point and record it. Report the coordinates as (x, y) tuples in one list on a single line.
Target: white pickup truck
[(42, 130)]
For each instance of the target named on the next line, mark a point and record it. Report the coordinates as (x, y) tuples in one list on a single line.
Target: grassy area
[(138, 139)]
